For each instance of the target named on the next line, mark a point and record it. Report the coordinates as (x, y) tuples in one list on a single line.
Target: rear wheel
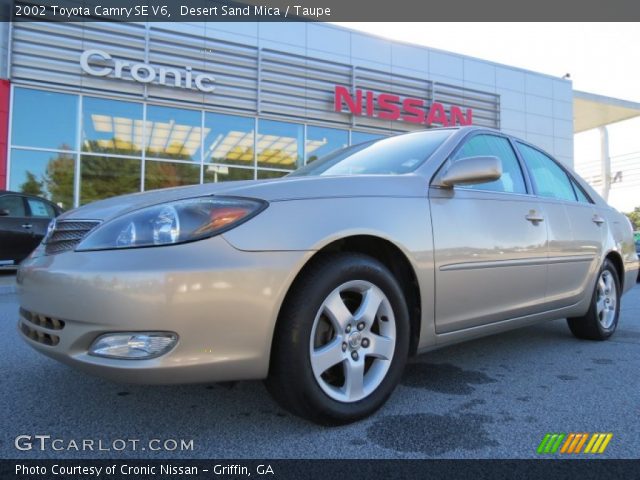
[(601, 319), (342, 340)]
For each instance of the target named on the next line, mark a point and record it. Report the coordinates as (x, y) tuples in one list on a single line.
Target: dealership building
[(92, 110)]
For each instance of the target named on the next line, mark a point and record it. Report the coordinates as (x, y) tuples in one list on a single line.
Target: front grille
[(67, 234), (39, 336), (41, 320), (35, 326)]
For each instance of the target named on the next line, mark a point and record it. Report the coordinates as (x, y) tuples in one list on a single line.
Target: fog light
[(133, 345)]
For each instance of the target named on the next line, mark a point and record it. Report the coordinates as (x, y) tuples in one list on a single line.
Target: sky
[(602, 58)]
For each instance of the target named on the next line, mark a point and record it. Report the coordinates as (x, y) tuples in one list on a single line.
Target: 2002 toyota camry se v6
[(325, 281)]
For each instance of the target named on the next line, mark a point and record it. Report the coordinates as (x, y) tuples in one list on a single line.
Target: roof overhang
[(593, 111)]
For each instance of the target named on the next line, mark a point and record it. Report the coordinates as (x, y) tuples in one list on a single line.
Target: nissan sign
[(104, 65), (388, 106)]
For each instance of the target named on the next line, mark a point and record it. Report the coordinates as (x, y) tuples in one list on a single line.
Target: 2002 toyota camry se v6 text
[(325, 281)]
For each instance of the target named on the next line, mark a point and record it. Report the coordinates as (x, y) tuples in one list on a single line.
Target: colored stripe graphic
[(574, 443), (604, 445), (550, 443), (581, 443), (543, 443), (552, 440), (556, 445), (596, 446), (598, 442), (594, 437), (566, 445)]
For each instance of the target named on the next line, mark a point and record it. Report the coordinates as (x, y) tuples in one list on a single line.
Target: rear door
[(489, 243), (40, 213), (575, 228), (15, 234)]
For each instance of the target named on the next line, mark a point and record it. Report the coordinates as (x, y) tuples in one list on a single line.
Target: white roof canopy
[(593, 111)]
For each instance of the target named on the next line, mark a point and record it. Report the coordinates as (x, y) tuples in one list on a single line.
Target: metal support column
[(605, 162)]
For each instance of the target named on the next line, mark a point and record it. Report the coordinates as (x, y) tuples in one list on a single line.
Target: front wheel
[(342, 340), (601, 319)]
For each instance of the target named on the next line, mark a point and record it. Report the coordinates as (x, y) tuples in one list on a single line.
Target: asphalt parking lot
[(491, 398)]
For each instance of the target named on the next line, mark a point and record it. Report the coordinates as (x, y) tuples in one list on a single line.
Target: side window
[(40, 209), (14, 204), (548, 178), (582, 197), (512, 180)]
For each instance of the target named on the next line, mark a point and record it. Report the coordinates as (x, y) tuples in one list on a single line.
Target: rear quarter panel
[(621, 240)]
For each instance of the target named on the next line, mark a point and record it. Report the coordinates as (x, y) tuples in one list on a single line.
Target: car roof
[(11, 192)]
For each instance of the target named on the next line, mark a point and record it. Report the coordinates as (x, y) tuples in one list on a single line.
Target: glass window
[(169, 174), (511, 180), (173, 133), (229, 139), (111, 126), (45, 174), (104, 177), (38, 208), (392, 155), (549, 179), (266, 174), (322, 141), (44, 119), (582, 197), (14, 205), (223, 173), (359, 137), (279, 144)]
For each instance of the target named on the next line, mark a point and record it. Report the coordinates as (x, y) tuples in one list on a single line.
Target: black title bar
[(318, 10), (320, 469)]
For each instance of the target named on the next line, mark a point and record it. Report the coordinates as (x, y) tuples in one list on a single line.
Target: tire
[(601, 320), (341, 342)]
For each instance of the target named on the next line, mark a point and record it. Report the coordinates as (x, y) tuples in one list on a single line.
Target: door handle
[(533, 217), (27, 226), (597, 219)]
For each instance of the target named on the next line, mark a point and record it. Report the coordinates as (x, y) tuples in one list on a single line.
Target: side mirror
[(4, 212), (471, 171)]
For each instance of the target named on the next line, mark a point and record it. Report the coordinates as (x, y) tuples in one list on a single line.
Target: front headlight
[(172, 223)]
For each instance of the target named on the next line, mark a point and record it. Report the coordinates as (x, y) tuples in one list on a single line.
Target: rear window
[(40, 209), (549, 179), (392, 155)]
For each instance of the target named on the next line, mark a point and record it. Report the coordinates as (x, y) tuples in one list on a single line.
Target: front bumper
[(222, 303)]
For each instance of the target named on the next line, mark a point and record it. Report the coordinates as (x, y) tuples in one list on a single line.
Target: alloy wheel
[(606, 300), (352, 341)]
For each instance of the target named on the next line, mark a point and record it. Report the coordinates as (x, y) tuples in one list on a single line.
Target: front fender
[(312, 224)]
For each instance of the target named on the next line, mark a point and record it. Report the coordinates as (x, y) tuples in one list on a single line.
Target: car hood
[(288, 188)]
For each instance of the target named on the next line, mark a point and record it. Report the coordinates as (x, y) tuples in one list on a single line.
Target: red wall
[(5, 87)]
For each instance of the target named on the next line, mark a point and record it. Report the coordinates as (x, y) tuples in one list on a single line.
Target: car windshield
[(392, 155)]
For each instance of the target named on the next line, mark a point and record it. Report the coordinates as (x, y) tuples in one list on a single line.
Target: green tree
[(635, 218), (167, 174), (105, 177), (32, 186), (58, 178)]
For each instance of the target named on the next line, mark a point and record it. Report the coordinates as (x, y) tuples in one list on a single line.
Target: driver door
[(15, 232), (490, 244)]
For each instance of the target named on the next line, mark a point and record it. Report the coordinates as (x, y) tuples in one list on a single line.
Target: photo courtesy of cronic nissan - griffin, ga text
[(324, 282)]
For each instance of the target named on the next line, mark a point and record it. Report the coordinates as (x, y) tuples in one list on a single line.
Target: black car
[(23, 222)]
